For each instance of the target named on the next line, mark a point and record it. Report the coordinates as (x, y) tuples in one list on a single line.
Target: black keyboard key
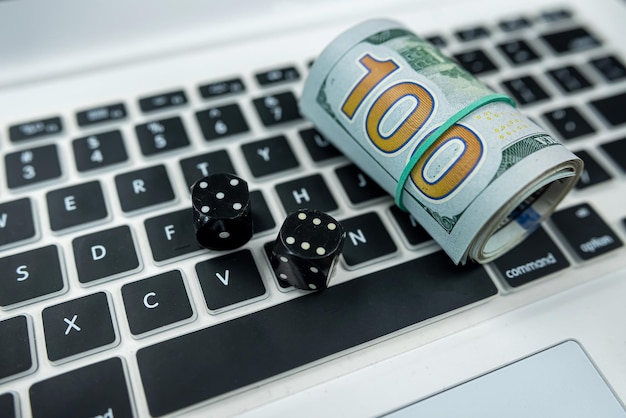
[(319, 147), (571, 40), (556, 15), (359, 187), (569, 123), (617, 151), (414, 233), (366, 240), (161, 136), (593, 173), (569, 79), (31, 166), (262, 219), (282, 284), (76, 205), (309, 192), (437, 40), (30, 276), (277, 108), (96, 390), (35, 129), (144, 188), (514, 24), (171, 235), (99, 150), (230, 280), (525, 90), (476, 62), (156, 303), (16, 222), (612, 108), (610, 67), (16, 357), (204, 165), (105, 254), (222, 88), (278, 75), (264, 344), (8, 405), (471, 34), (163, 101), (101, 114), (518, 52), (221, 121), (78, 326), (585, 231), (269, 156), (537, 256)]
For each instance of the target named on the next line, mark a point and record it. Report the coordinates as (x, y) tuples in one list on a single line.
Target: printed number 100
[(450, 159)]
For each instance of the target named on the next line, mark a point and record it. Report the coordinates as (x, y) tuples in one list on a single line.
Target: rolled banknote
[(476, 173)]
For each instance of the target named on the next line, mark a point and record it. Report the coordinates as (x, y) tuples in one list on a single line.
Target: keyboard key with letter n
[(264, 344)]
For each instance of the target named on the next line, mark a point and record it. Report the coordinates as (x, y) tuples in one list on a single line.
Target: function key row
[(40, 164), (44, 127)]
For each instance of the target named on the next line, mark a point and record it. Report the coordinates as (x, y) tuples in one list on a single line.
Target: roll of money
[(476, 173)]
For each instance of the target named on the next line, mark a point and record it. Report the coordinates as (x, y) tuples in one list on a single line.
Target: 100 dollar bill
[(378, 93)]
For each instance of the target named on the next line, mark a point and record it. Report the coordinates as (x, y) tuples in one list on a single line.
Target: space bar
[(201, 365)]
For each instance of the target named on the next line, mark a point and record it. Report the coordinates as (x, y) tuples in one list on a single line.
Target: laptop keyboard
[(61, 303)]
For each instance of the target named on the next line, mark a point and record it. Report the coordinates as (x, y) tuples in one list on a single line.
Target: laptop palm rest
[(560, 381)]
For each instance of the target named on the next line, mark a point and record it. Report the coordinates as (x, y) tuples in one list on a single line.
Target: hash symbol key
[(31, 166), (586, 231)]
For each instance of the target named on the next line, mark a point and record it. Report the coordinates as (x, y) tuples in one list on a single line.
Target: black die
[(221, 211), (306, 249)]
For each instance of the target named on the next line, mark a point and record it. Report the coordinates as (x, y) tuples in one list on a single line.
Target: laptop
[(109, 112)]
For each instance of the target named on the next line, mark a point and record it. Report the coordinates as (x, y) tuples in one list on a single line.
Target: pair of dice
[(308, 243)]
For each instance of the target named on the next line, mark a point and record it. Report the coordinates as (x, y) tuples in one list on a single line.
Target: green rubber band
[(421, 150)]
